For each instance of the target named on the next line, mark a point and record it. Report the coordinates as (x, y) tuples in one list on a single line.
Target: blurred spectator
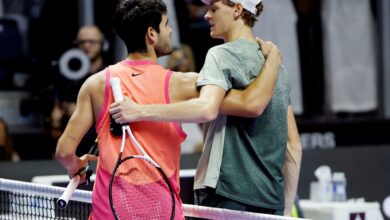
[(182, 59), (194, 29), (7, 152), (91, 41)]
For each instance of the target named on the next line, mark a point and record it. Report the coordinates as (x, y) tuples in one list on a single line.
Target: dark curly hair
[(132, 18)]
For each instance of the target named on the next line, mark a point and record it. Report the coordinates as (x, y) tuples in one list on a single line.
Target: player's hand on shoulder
[(267, 47), (126, 111)]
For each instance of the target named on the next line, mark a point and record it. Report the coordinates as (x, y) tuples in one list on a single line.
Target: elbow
[(254, 110), (209, 113), (258, 111), (62, 153), (294, 151), (297, 146), (254, 107), (208, 116)]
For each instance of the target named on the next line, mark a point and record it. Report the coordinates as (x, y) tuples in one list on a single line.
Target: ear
[(151, 36), (238, 10)]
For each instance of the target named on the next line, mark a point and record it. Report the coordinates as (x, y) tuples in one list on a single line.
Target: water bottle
[(339, 187)]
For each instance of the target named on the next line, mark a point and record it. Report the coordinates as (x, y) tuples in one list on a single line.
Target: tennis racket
[(62, 202), (138, 188)]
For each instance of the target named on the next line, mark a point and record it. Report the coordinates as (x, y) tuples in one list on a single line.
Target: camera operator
[(90, 40)]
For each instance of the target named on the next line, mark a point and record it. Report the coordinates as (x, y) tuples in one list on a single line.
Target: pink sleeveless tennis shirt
[(144, 82)]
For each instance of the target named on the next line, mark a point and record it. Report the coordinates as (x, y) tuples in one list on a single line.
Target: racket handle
[(116, 89), (62, 202), (115, 128)]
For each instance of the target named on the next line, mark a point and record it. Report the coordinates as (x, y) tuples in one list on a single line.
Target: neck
[(141, 56), (240, 31), (150, 55)]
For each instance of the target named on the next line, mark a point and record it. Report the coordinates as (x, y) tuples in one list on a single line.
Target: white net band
[(83, 196)]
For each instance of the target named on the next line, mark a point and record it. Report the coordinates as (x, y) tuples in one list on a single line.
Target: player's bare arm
[(249, 102), (292, 163), (252, 101), (80, 122), (201, 109)]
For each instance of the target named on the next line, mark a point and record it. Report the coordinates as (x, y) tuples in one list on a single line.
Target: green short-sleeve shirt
[(243, 157)]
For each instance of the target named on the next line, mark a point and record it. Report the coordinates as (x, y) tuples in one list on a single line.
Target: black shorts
[(208, 197)]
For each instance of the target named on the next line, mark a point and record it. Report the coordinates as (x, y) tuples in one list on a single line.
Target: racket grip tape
[(116, 89), (62, 202)]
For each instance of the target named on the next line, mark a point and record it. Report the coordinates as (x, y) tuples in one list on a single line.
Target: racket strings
[(140, 198), (138, 188)]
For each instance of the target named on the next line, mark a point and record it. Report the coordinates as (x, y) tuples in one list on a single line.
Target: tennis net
[(30, 201)]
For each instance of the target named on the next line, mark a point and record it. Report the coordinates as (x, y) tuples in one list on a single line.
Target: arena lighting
[(66, 68)]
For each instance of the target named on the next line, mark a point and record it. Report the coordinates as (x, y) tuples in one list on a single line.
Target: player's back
[(144, 82)]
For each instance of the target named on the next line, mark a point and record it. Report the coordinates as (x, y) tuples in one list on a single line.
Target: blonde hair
[(246, 15)]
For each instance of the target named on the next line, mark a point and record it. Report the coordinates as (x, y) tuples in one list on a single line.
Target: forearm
[(292, 163), (193, 110), (68, 142), (80, 122), (67, 145), (291, 170), (201, 109), (252, 101)]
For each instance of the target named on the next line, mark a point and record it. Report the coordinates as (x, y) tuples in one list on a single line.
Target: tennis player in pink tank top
[(146, 82)]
